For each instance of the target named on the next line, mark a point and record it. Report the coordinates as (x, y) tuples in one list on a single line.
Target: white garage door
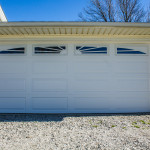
[(74, 78)]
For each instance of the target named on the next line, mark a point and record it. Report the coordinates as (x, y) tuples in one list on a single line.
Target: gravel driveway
[(80, 131)]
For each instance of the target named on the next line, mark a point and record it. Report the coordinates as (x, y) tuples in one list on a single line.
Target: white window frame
[(14, 46), (131, 45), (90, 45), (49, 54)]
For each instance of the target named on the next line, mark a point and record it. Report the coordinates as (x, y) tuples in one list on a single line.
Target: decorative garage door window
[(91, 50), (12, 50), (132, 50), (42, 49)]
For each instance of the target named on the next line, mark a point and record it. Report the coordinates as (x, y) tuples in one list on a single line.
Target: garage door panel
[(92, 76), (50, 103), (7, 103), (13, 76), (12, 84), (132, 75), (49, 84), (130, 66), (49, 58), (131, 58), (49, 67), (12, 94), (130, 110), (13, 67), (92, 93), (90, 58), (131, 94), (49, 94), (91, 67), (132, 85), (132, 102), (91, 85), (51, 76), (91, 103)]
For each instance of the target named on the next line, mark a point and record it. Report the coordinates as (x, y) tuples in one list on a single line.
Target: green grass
[(95, 126), (113, 126), (134, 122), (142, 121), (148, 122), (100, 122), (123, 127), (136, 126)]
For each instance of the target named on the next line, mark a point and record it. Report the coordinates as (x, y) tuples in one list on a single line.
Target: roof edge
[(71, 24)]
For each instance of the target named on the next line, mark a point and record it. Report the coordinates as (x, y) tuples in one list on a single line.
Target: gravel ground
[(77, 132)]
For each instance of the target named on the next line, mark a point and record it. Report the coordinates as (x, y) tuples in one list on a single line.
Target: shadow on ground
[(53, 117)]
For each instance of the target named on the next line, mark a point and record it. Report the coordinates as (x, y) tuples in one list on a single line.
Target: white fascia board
[(75, 24), (2, 15)]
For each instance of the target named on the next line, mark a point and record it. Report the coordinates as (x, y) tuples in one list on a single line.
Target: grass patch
[(148, 122), (123, 127), (136, 126), (95, 126), (134, 122), (113, 126), (142, 121), (100, 122)]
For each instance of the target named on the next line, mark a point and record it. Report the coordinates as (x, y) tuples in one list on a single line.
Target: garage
[(74, 67)]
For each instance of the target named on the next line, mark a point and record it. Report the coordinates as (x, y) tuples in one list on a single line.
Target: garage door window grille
[(136, 51), (49, 49), (91, 50), (18, 50)]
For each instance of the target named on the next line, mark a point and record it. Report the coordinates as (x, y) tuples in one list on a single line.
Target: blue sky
[(45, 10)]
